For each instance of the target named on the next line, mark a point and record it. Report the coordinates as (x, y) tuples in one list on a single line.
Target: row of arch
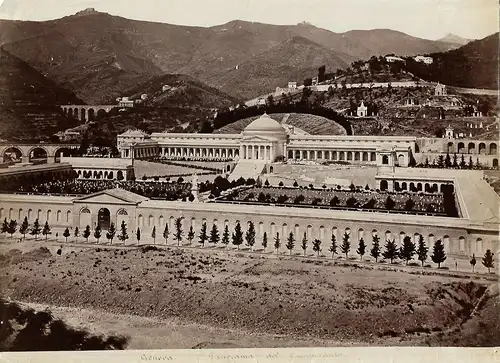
[(48, 215), (461, 148), (36, 153), (146, 223), (332, 155), (84, 114), (100, 174)]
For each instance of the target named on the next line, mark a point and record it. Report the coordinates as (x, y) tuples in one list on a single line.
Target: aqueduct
[(26, 153), (86, 112)]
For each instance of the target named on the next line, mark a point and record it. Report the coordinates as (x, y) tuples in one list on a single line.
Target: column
[(315, 154)]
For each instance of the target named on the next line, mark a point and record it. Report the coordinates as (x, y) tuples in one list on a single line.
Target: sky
[(429, 19)]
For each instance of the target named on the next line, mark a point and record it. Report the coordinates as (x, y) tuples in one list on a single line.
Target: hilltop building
[(440, 90), (422, 59), (362, 110), (392, 59)]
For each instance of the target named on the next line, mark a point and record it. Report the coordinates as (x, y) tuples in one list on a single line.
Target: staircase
[(247, 169)]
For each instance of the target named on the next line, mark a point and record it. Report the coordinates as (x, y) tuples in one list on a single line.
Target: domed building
[(263, 139)]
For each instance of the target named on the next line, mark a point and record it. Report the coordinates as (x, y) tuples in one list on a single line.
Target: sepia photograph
[(214, 176)]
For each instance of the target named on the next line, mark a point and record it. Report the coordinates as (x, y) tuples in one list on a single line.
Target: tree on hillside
[(237, 235), (97, 233), (304, 243), (333, 245), (153, 234), (438, 255), (375, 250), (86, 233), (277, 242), (290, 242), (138, 235), (473, 262), (346, 245), (190, 235), (407, 250), (391, 250), (250, 235), (225, 236), (66, 234), (23, 229), (203, 236), (317, 246), (46, 230), (264, 241), (422, 250), (166, 232), (361, 248), (488, 260), (179, 232), (123, 236), (76, 233), (214, 235), (112, 232)]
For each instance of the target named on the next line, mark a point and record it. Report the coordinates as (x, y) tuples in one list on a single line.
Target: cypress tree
[(277, 242), (375, 250), (346, 245), (190, 235), (361, 248), (97, 233), (237, 235), (166, 233), (23, 229), (317, 246), (66, 234), (422, 250), (473, 262), (86, 233), (290, 243), (153, 234), (138, 235), (225, 236), (203, 237), (264, 241), (391, 250), (214, 235), (438, 255), (76, 233), (488, 260), (178, 230), (250, 235), (46, 230), (333, 245), (304, 243), (123, 236), (407, 250)]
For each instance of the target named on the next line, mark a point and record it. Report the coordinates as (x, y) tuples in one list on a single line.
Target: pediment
[(112, 196), (259, 139)]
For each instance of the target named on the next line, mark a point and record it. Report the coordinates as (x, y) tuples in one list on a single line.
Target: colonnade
[(304, 154), (200, 152), (257, 152)]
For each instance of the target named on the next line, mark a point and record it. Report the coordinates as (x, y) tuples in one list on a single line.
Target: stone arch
[(365, 156), (471, 147), (75, 113), (91, 114), (401, 159), (388, 235), (104, 218), (273, 229), (374, 232), (83, 114), (161, 221), (20, 215), (140, 221), (383, 185), (39, 215), (62, 151), (450, 147), (151, 220), (482, 148), (284, 230), (296, 230), (461, 243), (373, 156), (12, 154), (461, 148), (361, 233), (58, 216), (38, 154), (171, 224), (49, 215), (30, 214), (357, 156), (479, 245), (416, 238), (385, 159), (348, 231), (260, 229), (11, 213), (85, 217), (349, 155), (335, 232), (402, 236), (101, 113), (68, 216), (309, 232), (493, 148), (322, 233), (431, 240), (495, 163)]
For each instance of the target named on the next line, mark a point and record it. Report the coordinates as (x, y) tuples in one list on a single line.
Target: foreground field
[(178, 298)]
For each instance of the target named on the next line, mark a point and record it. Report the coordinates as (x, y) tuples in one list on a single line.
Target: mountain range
[(97, 55)]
